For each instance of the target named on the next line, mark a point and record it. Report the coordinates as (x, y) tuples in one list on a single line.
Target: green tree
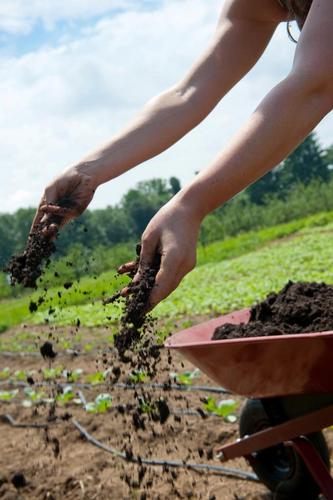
[(174, 185), (305, 164), (142, 203)]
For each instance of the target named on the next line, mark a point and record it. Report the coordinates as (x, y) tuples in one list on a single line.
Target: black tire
[(280, 468)]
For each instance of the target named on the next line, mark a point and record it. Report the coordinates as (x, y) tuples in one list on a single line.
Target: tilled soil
[(297, 308), (60, 464)]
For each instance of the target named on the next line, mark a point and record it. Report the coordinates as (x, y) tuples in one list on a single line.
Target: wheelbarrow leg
[(306, 424), (314, 463)]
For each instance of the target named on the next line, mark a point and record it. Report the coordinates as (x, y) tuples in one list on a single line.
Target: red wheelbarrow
[(288, 381)]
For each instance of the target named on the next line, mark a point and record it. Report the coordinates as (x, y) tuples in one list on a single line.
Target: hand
[(65, 198), (173, 233)]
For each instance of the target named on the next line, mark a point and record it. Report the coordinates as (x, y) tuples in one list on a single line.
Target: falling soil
[(136, 324), (297, 308), (47, 351), (27, 267)]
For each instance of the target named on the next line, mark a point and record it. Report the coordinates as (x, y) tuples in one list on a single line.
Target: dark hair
[(299, 10)]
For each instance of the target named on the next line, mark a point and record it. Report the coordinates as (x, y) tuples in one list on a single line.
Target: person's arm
[(284, 118), (236, 46), (242, 34)]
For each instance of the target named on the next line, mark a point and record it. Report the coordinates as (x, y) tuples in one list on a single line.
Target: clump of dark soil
[(135, 321), (27, 267), (18, 480), (298, 308), (47, 350)]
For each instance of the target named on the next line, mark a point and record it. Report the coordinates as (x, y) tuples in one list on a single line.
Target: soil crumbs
[(60, 464), (298, 308)]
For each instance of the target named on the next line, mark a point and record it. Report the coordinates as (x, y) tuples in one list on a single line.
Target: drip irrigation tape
[(178, 412), (36, 354), (134, 387), (9, 419), (218, 469)]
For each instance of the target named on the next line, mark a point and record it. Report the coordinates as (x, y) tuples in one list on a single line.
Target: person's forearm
[(165, 119), (284, 118), (162, 122)]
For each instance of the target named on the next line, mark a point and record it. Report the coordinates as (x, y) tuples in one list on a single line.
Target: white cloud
[(60, 102), (20, 16)]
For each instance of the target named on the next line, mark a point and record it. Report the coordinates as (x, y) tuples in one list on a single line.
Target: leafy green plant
[(137, 376), (101, 404), (20, 375), (67, 395), (8, 395), (52, 373), (73, 376), (185, 378), (224, 408), (145, 406), (34, 396), (4, 373), (97, 377)]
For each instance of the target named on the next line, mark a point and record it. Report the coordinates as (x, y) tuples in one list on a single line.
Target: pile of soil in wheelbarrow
[(297, 308)]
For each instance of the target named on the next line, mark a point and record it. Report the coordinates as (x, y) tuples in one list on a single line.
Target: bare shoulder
[(269, 11)]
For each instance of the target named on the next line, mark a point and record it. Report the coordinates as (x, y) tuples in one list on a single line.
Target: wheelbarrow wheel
[(280, 468)]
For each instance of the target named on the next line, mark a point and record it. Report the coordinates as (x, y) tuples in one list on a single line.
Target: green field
[(222, 282)]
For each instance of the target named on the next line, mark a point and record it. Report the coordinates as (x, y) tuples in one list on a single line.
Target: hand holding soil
[(65, 198), (172, 233)]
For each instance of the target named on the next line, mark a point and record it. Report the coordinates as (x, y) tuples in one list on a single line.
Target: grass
[(217, 288), (230, 274), (87, 290), (247, 242)]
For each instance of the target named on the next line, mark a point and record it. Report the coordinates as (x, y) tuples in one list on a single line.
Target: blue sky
[(73, 72)]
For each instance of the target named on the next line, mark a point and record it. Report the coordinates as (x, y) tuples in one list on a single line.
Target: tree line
[(300, 183)]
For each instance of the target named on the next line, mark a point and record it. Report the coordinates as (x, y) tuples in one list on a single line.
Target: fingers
[(43, 209), (128, 267), (55, 209), (38, 216)]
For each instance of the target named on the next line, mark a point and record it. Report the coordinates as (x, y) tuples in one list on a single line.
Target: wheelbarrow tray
[(259, 367)]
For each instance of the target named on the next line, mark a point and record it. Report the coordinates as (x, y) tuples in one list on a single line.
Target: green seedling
[(98, 377), (88, 347), (137, 377), (8, 395), (65, 344), (101, 404), (185, 378), (20, 375), (145, 406), (67, 395), (73, 376), (52, 373), (34, 396), (224, 408), (5, 373)]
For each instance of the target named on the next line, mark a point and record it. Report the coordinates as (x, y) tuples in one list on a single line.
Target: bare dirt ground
[(59, 463)]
